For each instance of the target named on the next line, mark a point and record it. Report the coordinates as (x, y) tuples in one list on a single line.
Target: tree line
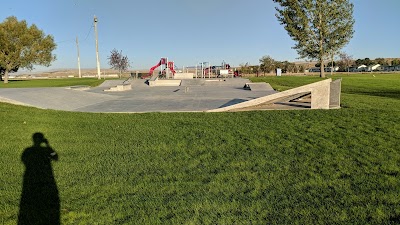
[(269, 65), (342, 63), (380, 61)]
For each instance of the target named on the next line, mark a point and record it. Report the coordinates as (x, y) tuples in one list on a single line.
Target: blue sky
[(191, 31)]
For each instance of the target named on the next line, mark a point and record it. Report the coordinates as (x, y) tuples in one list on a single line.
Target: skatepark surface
[(196, 95)]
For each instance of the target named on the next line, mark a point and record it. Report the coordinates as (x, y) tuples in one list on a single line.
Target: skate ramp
[(258, 87), (324, 95)]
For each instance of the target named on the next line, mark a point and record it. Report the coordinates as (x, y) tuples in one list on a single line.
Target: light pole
[(79, 61), (97, 47)]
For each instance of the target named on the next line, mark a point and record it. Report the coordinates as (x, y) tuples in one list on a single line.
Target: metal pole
[(79, 61), (202, 70), (97, 48), (209, 70)]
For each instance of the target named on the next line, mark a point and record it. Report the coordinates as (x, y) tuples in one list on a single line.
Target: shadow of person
[(40, 202)]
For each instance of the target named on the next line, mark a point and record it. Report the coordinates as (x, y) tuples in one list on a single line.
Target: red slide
[(154, 67), (171, 67)]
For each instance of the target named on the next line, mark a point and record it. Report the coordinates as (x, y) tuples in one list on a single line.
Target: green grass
[(51, 83), (263, 167)]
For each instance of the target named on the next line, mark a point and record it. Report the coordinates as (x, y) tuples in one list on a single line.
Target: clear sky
[(191, 31)]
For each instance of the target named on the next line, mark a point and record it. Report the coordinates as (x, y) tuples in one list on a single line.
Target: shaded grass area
[(51, 83), (263, 167)]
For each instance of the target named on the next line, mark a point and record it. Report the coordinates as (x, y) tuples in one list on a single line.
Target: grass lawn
[(51, 83), (262, 167)]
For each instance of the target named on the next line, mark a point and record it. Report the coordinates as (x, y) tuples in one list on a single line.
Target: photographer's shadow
[(40, 202)]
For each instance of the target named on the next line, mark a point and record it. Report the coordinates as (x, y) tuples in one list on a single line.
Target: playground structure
[(206, 70), (167, 68), (202, 70)]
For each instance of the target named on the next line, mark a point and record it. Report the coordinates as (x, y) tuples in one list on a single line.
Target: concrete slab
[(142, 98), (193, 96), (54, 98), (335, 90)]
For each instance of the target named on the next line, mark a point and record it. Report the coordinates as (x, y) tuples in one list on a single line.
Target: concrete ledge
[(120, 88), (168, 83), (14, 102), (320, 97), (183, 76), (258, 86), (79, 87)]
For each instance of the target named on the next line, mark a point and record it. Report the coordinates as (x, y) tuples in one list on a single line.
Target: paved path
[(195, 96)]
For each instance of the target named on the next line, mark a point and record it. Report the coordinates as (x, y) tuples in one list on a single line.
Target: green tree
[(3, 70), (366, 61), (395, 62), (267, 64), (118, 62), (330, 64), (300, 68), (286, 66), (22, 46), (255, 70), (380, 61), (359, 62), (245, 68), (319, 27)]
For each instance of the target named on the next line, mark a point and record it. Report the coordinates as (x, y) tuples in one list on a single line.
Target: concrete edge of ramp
[(258, 86), (14, 102), (110, 83), (320, 92), (165, 83)]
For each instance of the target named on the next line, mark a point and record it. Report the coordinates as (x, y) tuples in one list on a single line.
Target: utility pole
[(97, 47), (79, 61)]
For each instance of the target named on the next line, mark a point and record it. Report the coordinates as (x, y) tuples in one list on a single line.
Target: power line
[(73, 40), (90, 29), (70, 40)]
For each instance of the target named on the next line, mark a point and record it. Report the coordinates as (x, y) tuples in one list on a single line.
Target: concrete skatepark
[(195, 95)]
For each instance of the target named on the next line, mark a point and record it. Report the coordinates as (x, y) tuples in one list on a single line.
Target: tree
[(3, 70), (330, 64), (245, 68), (286, 66), (359, 62), (22, 46), (346, 59), (118, 62), (380, 61), (319, 27), (255, 70), (267, 64), (395, 62), (366, 61), (300, 68)]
